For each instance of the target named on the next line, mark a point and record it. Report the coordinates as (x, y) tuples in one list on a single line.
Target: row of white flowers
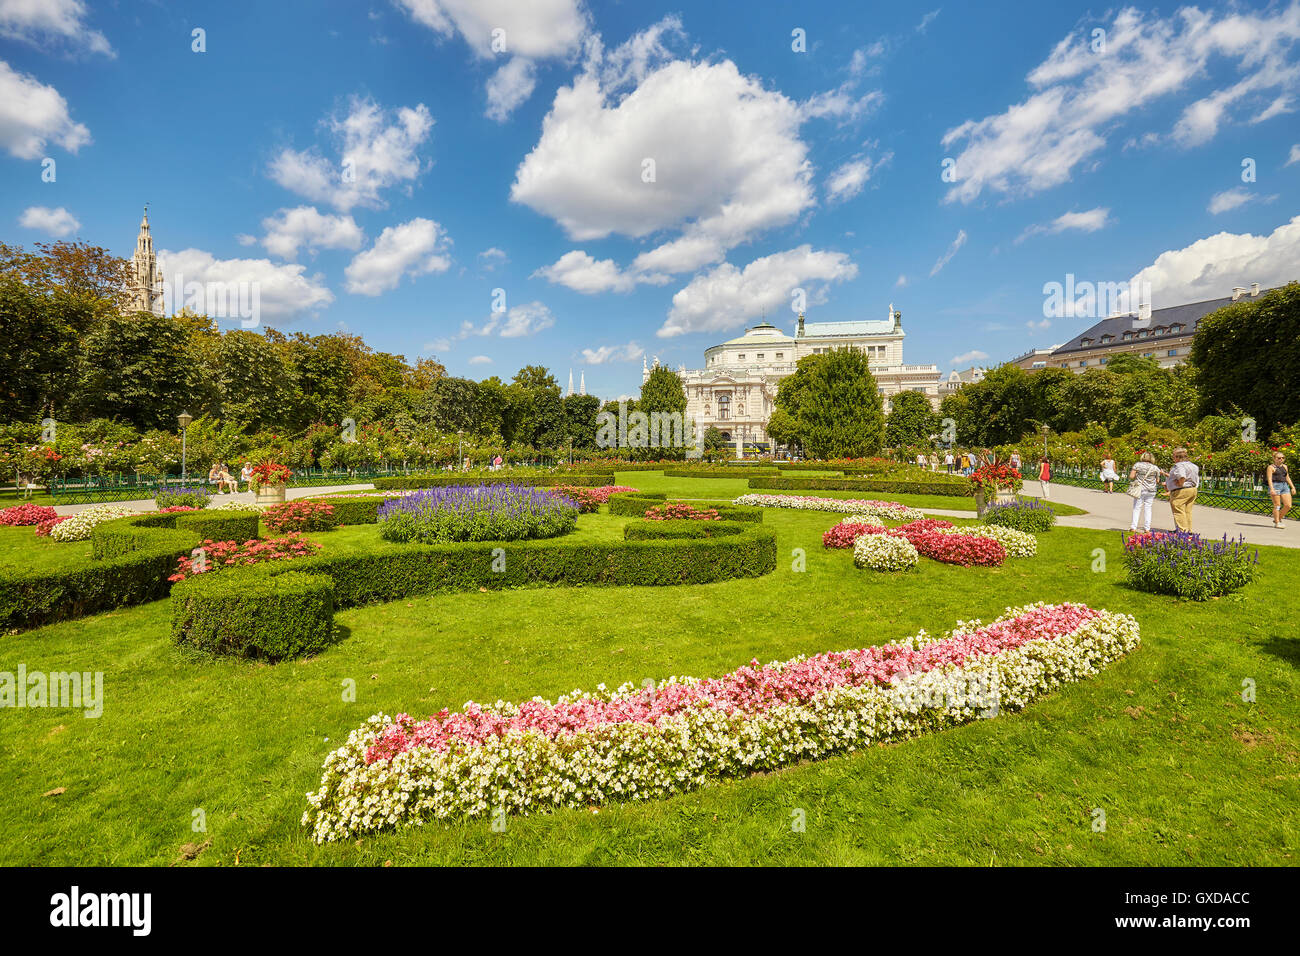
[(886, 510), (1018, 544), (883, 552), (80, 525), (522, 773)]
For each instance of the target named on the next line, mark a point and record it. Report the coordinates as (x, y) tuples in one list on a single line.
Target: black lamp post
[(184, 419)]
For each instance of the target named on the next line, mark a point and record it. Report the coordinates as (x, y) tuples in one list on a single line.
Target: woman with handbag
[(1143, 478)]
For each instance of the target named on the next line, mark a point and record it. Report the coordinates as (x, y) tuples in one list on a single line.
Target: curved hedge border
[(953, 489), (353, 509), (133, 557), (628, 505), (204, 613), (718, 472), (416, 482)]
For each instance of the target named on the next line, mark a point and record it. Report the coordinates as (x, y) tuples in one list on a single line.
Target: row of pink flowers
[(215, 555), (20, 515), (748, 690), (681, 512)]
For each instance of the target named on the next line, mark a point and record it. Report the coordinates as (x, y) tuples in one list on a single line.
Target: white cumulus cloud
[(1088, 221), (306, 226), (413, 248), (34, 115), (51, 23), (613, 353), (726, 297), (56, 222), (282, 291)]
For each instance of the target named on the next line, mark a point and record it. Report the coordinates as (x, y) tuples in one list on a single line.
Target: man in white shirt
[(948, 461), (1183, 478)]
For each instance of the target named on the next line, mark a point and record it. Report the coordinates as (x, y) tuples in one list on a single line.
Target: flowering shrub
[(477, 513), (642, 743), (238, 506), (1022, 514), (26, 515), (677, 511), (79, 526), (173, 509), (589, 499), (924, 524), (216, 555), (885, 510), (1185, 564), (300, 516), (992, 478), (269, 473), (846, 532), (883, 552), (45, 527), (168, 499)]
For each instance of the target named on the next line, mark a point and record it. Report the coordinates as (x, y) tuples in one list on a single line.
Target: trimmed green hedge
[(353, 509), (951, 489), (630, 505), (650, 530), (718, 472), (250, 613), (416, 482)]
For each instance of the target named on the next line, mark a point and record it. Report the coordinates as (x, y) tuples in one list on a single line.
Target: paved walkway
[(243, 497), (1115, 511)]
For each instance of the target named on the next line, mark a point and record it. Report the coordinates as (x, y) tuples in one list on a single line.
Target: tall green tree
[(580, 413), (911, 420), (1247, 356), (139, 369), (663, 392), (839, 414)]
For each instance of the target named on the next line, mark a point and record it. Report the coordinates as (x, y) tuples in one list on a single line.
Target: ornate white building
[(146, 279), (736, 388)]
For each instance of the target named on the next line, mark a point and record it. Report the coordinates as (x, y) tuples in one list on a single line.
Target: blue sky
[(386, 167)]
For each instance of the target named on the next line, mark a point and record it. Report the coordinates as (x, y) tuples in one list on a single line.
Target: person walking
[(1280, 487), (1108, 474), (947, 461), (1142, 478), (1184, 476), (246, 475), (934, 462), (1045, 477), (1015, 460)]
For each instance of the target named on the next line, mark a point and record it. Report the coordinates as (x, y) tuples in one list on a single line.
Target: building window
[(1148, 354), (779, 356), (1103, 361), (1082, 364), (724, 407), (1173, 351), (759, 356), (1107, 339), (1085, 341), (741, 357)]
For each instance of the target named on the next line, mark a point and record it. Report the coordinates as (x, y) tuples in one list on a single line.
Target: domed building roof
[(763, 334)]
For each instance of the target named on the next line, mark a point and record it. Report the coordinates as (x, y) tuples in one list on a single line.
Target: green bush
[(416, 482), (251, 614), (354, 509), (1022, 514), (630, 505), (718, 472), (682, 529), (124, 535), (952, 489)]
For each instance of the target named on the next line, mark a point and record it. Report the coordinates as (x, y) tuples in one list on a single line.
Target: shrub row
[(353, 509), (636, 505), (230, 612), (952, 489), (415, 482), (683, 529), (718, 472)]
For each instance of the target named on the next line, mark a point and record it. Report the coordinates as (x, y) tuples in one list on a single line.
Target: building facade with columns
[(735, 391)]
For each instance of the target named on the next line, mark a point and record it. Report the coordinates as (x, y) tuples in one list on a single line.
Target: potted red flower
[(268, 480), (996, 482)]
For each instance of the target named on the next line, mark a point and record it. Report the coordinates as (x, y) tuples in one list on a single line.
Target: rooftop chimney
[(1144, 311), (1254, 288), (1237, 292)]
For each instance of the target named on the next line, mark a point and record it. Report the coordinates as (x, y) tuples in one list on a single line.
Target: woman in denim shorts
[(1280, 486)]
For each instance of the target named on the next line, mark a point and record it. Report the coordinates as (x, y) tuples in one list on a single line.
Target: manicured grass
[(1185, 771), (21, 548)]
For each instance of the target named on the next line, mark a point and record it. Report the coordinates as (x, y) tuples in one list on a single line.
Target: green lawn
[(21, 548), (1161, 741)]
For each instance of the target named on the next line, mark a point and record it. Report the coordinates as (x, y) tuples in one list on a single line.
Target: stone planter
[(982, 501), (271, 494)]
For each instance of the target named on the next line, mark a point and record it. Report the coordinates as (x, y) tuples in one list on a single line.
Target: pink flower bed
[(45, 527), (222, 554), (746, 691), (682, 512), (20, 515), (965, 550)]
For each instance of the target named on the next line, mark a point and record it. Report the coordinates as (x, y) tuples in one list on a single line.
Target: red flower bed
[(26, 515), (922, 525), (965, 550), (45, 527), (843, 535), (681, 512), (216, 555)]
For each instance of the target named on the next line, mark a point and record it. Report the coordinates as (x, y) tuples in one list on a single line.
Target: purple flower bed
[(477, 513), (1185, 564), (1022, 514)]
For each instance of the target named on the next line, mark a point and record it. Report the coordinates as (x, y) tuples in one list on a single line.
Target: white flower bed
[(237, 506), (866, 519), (884, 510), (80, 525), (974, 674), (1018, 544), (883, 552)]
